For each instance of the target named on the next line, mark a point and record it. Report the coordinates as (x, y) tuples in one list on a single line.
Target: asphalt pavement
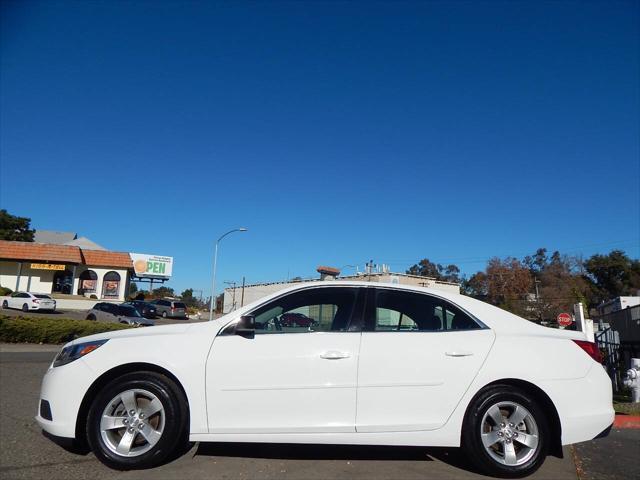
[(25, 453)]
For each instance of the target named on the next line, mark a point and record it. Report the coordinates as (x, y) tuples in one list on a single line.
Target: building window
[(62, 282), (88, 282), (111, 285)]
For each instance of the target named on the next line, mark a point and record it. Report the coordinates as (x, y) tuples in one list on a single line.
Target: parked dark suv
[(146, 309), (170, 308)]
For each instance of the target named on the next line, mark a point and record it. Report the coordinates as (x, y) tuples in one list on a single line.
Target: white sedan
[(379, 365), (26, 301)]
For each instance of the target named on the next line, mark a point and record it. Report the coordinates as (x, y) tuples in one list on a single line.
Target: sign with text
[(47, 266), (151, 266), (564, 320)]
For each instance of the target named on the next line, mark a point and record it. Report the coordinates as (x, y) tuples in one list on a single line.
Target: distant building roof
[(39, 251), (57, 238), (98, 258), (26, 251), (85, 244)]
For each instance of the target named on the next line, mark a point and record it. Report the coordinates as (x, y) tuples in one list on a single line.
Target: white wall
[(100, 272), (42, 280)]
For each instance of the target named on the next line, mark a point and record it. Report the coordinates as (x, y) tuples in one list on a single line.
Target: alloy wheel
[(132, 422), (509, 433)]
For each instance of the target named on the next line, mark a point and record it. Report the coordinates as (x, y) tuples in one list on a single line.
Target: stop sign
[(564, 320)]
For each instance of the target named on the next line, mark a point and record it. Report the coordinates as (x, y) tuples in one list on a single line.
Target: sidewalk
[(28, 347)]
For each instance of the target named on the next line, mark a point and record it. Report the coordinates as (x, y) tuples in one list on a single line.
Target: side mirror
[(246, 326)]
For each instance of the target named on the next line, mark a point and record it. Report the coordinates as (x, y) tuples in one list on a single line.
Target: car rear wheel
[(91, 316), (505, 433), (137, 421), (25, 308)]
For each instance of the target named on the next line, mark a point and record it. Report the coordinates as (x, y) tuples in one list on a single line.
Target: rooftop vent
[(328, 273)]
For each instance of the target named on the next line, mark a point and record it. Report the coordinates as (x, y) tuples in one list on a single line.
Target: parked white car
[(380, 365), (27, 301)]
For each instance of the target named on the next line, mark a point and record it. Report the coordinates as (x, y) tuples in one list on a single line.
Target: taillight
[(590, 348), (35, 300)]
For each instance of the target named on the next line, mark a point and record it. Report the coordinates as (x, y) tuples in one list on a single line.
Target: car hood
[(135, 332)]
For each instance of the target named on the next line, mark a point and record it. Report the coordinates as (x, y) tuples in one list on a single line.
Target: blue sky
[(337, 132)]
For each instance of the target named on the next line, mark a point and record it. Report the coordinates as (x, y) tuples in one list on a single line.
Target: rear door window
[(402, 311)]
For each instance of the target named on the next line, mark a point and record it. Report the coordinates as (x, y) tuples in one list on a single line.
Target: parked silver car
[(170, 308), (110, 312)]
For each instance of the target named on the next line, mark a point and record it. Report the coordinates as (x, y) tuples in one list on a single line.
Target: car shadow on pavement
[(68, 444), (283, 451)]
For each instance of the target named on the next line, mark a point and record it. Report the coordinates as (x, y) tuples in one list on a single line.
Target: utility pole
[(536, 282), (233, 298), (242, 297)]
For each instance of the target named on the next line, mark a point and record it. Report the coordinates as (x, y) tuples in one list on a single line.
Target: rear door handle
[(334, 355), (458, 353)]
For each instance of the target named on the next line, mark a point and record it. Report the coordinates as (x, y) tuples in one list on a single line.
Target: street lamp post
[(215, 261)]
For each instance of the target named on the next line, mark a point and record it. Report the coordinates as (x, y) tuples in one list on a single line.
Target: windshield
[(128, 311)]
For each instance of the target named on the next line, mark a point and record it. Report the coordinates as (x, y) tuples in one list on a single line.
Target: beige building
[(237, 297)]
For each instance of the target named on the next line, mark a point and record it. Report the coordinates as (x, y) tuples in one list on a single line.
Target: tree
[(162, 292), (612, 275), (508, 285), (476, 286), (560, 286), (536, 262), (15, 228), (426, 268), (189, 300)]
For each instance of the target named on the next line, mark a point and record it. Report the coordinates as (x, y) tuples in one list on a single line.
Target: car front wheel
[(505, 433), (137, 421), (5, 304)]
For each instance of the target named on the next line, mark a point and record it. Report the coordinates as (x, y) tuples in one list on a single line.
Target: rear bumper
[(585, 405), (604, 433)]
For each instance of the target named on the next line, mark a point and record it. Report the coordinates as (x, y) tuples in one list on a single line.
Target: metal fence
[(618, 337)]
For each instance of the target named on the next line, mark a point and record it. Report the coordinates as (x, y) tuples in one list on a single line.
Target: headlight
[(74, 352)]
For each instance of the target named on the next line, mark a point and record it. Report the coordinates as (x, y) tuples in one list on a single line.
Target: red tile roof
[(25, 251), (39, 251), (101, 258)]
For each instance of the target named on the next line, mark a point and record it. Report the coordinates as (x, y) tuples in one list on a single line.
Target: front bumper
[(63, 388)]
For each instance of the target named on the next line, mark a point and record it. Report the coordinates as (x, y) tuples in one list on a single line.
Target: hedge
[(50, 330)]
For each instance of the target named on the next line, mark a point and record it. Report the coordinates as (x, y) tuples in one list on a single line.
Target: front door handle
[(334, 355), (458, 353)]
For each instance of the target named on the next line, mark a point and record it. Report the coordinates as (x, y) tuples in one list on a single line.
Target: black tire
[(91, 317), (175, 432), (471, 432), (25, 308), (5, 305), (164, 314)]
